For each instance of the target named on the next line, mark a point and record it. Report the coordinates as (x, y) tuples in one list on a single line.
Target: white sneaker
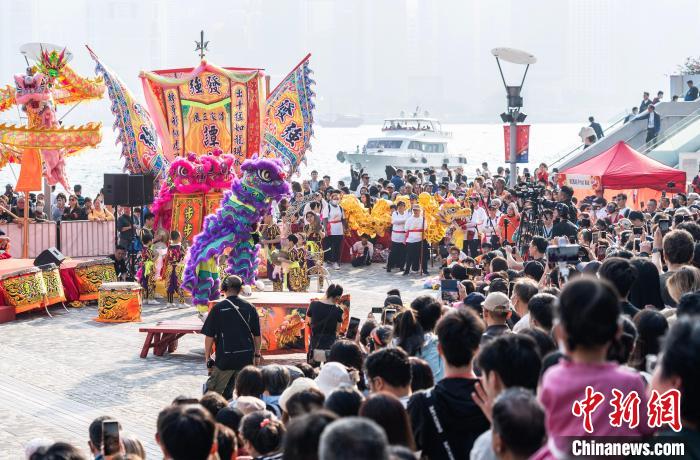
[(336, 266)]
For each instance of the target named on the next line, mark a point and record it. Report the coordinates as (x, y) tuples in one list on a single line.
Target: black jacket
[(657, 121), (458, 415), (598, 129), (564, 228)]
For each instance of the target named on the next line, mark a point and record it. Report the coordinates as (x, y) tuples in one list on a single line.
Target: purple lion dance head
[(242, 207)]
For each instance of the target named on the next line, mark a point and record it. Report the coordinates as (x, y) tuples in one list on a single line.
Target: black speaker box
[(116, 189), (140, 190), (49, 256)]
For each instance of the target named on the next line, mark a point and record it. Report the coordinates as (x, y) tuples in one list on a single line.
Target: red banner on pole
[(522, 143)]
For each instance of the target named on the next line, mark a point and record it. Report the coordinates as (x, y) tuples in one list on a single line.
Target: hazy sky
[(378, 57)]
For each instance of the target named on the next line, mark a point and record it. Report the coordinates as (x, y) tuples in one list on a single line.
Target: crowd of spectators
[(63, 207), (508, 369)]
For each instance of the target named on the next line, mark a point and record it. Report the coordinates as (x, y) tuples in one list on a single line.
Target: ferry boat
[(407, 143)]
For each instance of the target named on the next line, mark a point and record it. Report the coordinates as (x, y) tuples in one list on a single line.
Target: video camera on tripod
[(530, 192)]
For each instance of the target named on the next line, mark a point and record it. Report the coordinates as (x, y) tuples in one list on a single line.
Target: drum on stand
[(119, 302)]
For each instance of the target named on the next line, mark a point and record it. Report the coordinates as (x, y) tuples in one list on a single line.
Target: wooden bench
[(164, 335)]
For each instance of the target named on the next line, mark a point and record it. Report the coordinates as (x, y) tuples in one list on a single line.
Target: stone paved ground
[(57, 374)]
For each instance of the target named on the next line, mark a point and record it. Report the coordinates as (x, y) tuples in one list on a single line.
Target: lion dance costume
[(233, 226)]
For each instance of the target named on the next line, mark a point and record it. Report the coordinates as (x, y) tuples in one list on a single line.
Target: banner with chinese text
[(212, 201), (204, 108), (141, 148), (289, 117), (522, 142), (580, 181), (187, 214)]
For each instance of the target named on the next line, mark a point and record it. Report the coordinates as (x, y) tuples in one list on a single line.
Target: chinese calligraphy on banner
[(141, 147), (188, 214), (289, 117), (205, 108)]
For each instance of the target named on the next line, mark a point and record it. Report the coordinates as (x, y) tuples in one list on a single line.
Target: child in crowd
[(589, 320), (173, 268), (147, 274)]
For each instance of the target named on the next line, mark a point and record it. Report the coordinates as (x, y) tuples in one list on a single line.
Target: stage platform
[(26, 288)]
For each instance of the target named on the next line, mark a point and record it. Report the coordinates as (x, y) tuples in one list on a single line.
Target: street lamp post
[(513, 114)]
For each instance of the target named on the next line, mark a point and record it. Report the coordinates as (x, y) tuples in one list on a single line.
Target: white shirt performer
[(417, 252), (333, 216), (397, 253)]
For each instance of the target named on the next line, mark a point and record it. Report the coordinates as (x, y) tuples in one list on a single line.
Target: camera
[(528, 192)]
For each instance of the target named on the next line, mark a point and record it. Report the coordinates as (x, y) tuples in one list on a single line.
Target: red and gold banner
[(188, 214), (522, 144), (212, 201), (205, 108)]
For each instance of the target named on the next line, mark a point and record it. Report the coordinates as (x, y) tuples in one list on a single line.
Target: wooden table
[(164, 335)]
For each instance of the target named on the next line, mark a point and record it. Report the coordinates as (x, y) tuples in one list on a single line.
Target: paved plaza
[(58, 374)]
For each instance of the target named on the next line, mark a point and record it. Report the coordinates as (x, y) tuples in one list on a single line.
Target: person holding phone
[(233, 324), (324, 317)]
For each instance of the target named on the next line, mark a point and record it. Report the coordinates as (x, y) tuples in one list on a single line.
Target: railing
[(618, 121), (670, 132), (73, 238), (42, 235), (83, 238)]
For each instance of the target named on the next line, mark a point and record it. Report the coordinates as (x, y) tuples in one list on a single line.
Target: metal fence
[(80, 238)]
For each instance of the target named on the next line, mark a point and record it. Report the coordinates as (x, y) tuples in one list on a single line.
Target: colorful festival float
[(221, 146), (40, 143)]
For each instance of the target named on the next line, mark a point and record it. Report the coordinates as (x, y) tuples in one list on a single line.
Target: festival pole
[(25, 229)]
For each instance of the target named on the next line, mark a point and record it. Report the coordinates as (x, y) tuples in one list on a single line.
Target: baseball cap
[(331, 376), (248, 404), (297, 386), (497, 302), (475, 299)]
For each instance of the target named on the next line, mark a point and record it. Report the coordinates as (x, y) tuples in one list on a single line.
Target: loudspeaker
[(140, 190), (135, 190), (116, 189), (148, 191), (49, 256)]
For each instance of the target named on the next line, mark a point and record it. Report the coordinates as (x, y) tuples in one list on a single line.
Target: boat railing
[(670, 132)]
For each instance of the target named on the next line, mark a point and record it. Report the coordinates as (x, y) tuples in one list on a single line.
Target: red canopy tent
[(623, 169)]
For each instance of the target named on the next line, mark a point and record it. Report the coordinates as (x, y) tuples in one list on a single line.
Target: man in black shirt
[(119, 258), (125, 226), (563, 227), (234, 326), (445, 419)]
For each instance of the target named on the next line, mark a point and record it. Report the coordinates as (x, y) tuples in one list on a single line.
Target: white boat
[(407, 143)]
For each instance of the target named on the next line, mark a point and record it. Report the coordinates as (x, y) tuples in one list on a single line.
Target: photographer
[(509, 223), (563, 227), (565, 195)]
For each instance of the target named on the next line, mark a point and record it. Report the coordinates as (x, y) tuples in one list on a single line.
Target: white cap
[(297, 386), (248, 404), (331, 376)]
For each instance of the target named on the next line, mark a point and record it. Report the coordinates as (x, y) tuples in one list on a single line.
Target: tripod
[(530, 226)]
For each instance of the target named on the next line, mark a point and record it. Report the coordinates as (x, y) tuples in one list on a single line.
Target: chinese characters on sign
[(661, 409), (239, 109)]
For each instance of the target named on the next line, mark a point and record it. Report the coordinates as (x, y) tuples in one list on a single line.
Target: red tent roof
[(622, 167)]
